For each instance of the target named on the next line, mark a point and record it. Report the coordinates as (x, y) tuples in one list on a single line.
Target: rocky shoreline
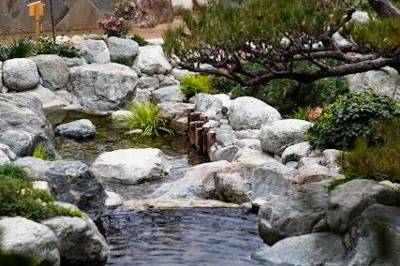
[(260, 161)]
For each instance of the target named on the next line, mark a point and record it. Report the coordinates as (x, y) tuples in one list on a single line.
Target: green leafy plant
[(17, 49), (140, 40), (147, 117), (40, 152), (123, 61), (300, 113), (47, 45), (19, 198), (193, 84), (350, 117)]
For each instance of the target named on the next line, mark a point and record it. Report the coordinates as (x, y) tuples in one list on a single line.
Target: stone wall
[(72, 14)]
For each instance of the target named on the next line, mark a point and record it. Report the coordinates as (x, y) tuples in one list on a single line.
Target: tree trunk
[(385, 8)]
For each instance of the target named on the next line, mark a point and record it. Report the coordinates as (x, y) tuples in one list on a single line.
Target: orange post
[(36, 10)]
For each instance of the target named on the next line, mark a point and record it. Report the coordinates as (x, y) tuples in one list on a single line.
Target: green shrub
[(47, 45), (301, 113), (147, 117), (140, 40), (124, 61), (223, 85), (379, 161), (192, 84), (18, 49), (19, 198), (350, 117), (40, 152)]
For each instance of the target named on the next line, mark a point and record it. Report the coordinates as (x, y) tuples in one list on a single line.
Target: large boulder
[(54, 71), (376, 237), (79, 241), (123, 49), (102, 86), (296, 152), (27, 238), (131, 166), (348, 201), (314, 173), (294, 214), (168, 94), (151, 60), (20, 74), (251, 113), (82, 128), (198, 182), (278, 135), (312, 249), (209, 104), (50, 101), (69, 181), (95, 51), (23, 124), (175, 110), (385, 81)]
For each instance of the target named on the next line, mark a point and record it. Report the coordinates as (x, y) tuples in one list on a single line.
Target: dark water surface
[(192, 237)]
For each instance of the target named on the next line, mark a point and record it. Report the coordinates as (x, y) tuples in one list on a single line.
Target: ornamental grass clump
[(19, 198), (17, 49), (145, 116), (192, 84), (351, 116)]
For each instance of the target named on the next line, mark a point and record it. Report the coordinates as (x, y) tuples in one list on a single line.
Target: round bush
[(349, 117)]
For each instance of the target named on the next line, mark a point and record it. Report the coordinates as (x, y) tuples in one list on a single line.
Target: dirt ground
[(147, 33)]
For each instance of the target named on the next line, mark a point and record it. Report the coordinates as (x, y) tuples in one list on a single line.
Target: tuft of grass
[(192, 84), (40, 152), (19, 198), (301, 113), (18, 49), (140, 40), (47, 45), (147, 117)]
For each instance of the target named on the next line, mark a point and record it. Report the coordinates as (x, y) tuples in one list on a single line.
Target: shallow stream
[(164, 237)]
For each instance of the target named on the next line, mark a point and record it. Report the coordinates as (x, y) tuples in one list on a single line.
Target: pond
[(164, 237)]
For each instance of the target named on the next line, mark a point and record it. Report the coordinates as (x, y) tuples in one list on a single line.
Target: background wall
[(72, 14)]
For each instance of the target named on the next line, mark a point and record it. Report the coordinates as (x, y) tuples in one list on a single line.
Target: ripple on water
[(181, 237)]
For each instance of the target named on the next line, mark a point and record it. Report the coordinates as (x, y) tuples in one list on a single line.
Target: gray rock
[(74, 61), (225, 136), (248, 134), (231, 186), (102, 87), (252, 158), (79, 241), (73, 182), (179, 73), (198, 182), (142, 95), (23, 124), (50, 101), (168, 81), (348, 201), (34, 166), (227, 153), (254, 144), (278, 135), (330, 159), (209, 105), (175, 110), (311, 160), (151, 60), (27, 238), (272, 178), (113, 199), (376, 237), (242, 117), (305, 250), (83, 128), (6, 154), (131, 166), (168, 94), (20, 74), (125, 49), (94, 51), (313, 173), (385, 82), (296, 152), (150, 83), (294, 214), (54, 71)]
